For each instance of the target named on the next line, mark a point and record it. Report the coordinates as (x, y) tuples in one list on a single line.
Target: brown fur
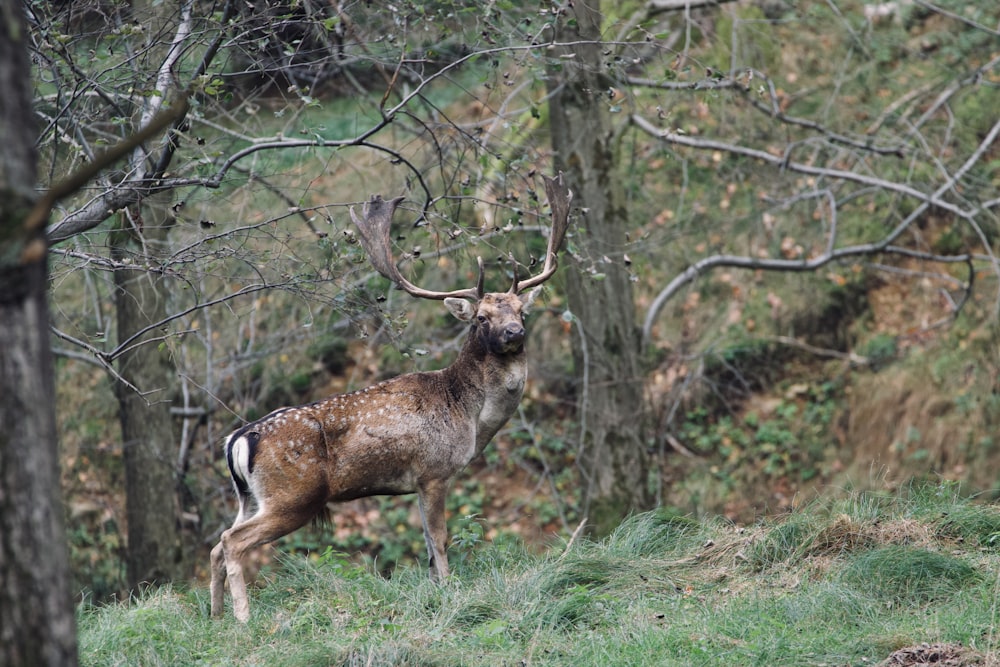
[(411, 434)]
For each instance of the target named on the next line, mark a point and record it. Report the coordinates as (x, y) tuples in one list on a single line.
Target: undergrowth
[(838, 583)]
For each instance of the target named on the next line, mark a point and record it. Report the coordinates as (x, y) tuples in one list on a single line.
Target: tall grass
[(839, 583)]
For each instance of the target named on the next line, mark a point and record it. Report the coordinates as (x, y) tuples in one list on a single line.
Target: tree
[(608, 355), (149, 435), (36, 611), (146, 377)]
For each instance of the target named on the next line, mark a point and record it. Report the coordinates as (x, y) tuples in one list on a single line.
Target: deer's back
[(382, 440)]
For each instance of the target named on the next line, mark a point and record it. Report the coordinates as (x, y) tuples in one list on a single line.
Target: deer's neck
[(488, 385)]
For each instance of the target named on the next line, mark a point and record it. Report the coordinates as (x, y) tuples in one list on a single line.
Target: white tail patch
[(240, 453)]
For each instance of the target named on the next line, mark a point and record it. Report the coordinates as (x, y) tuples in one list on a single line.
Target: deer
[(413, 433)]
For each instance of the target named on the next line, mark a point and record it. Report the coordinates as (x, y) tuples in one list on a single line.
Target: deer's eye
[(482, 319)]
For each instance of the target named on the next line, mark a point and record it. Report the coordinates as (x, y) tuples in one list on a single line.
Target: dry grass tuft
[(846, 534), (938, 655)]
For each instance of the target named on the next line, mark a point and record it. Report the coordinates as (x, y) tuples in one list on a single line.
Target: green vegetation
[(835, 583)]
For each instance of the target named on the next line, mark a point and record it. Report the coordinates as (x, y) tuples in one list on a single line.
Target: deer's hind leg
[(229, 556), (218, 562), (218, 579)]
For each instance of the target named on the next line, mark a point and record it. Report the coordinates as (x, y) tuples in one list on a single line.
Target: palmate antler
[(375, 222), (559, 196)]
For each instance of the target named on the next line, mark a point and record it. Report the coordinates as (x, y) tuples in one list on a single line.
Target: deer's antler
[(373, 225), (376, 219), (559, 196)]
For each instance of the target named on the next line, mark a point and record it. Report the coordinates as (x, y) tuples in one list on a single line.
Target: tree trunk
[(148, 434), (36, 608), (149, 439), (608, 358)]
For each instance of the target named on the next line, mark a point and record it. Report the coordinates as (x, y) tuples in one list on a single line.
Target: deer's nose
[(513, 333)]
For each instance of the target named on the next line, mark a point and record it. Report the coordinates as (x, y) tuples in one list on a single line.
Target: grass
[(838, 583)]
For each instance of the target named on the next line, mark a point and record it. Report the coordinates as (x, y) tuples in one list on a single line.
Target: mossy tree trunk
[(608, 355), (149, 438), (36, 609), (149, 435)]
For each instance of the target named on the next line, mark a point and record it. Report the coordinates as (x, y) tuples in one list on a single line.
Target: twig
[(676, 445), (99, 359), (572, 538), (853, 358)]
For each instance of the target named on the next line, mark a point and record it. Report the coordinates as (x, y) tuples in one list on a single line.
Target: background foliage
[(811, 190)]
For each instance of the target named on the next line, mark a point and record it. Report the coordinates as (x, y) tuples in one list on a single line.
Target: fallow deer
[(411, 434)]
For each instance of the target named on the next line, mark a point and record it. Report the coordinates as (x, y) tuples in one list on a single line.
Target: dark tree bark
[(36, 608), (616, 462), (149, 440)]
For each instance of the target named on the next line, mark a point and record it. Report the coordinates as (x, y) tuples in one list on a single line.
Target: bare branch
[(98, 358), (129, 343), (207, 57), (40, 213), (785, 162), (851, 357), (164, 78), (132, 190), (112, 199), (957, 17), (140, 183), (955, 86), (654, 7)]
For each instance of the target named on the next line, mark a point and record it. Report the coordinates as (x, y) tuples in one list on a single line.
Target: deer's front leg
[(432, 496)]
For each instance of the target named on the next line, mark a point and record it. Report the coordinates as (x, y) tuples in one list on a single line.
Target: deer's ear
[(528, 299), (460, 308)]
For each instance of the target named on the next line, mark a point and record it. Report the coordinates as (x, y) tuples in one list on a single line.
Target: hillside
[(897, 580)]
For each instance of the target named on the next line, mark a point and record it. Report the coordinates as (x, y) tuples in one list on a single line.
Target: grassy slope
[(842, 583)]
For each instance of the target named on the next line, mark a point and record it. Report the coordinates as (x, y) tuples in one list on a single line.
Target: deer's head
[(496, 317)]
